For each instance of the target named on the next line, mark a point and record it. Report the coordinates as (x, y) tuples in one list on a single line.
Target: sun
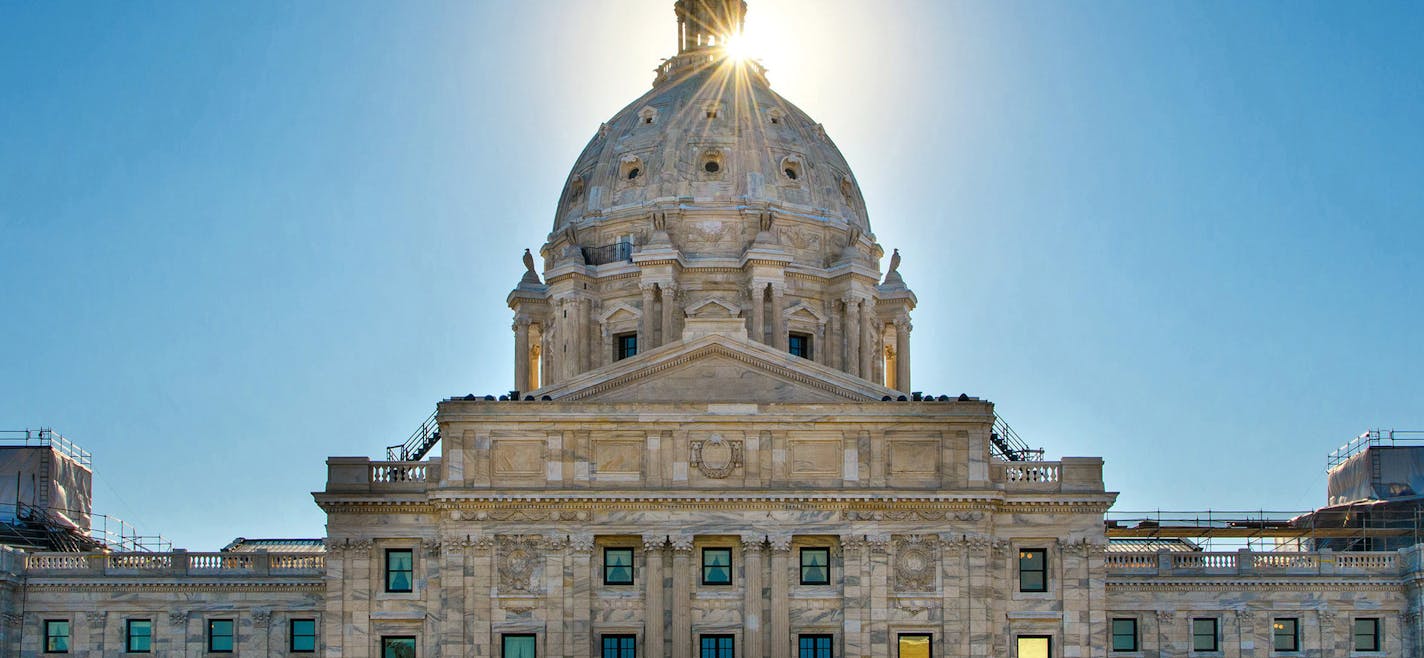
[(738, 47)]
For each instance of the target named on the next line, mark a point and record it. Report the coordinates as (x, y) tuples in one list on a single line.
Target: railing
[(45, 436), (420, 442), (1372, 438), (396, 472), (1030, 476), (176, 563), (609, 253), (1245, 562), (1005, 444)]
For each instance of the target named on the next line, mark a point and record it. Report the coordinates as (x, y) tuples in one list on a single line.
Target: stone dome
[(711, 132)]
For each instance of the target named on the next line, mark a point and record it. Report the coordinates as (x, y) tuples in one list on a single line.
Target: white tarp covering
[(39, 476)]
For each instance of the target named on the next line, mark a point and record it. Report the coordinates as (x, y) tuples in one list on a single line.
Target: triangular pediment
[(716, 368)]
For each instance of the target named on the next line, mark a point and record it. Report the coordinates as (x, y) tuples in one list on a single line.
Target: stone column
[(902, 355), (478, 600), (869, 340), (879, 584), (853, 595), (682, 595), (755, 635), (579, 611), (585, 334), (669, 294), (780, 601), (778, 318), (852, 335), (555, 556), (452, 595), (521, 353), (653, 605), (758, 294), (645, 329), (834, 348)]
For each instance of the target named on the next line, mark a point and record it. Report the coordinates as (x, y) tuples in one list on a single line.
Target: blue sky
[(236, 238)]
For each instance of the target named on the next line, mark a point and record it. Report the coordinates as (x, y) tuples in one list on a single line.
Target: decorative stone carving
[(1246, 615), (878, 542), (11, 619), (178, 617), (95, 617), (431, 546), (1166, 617), (915, 564), (716, 457), (753, 542), (681, 543), (261, 617), (654, 541), (780, 543), (518, 557), (969, 517), (1327, 616), (581, 543)]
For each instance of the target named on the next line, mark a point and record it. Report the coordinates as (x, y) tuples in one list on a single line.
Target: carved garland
[(716, 457)]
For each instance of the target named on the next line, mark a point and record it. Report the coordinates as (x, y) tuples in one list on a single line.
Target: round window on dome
[(711, 167), (634, 172), (791, 167), (790, 173)]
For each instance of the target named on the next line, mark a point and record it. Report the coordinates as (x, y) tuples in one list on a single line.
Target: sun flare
[(738, 47)]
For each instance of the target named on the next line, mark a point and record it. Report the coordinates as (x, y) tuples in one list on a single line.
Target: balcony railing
[(1246, 562), (175, 563), (609, 253)]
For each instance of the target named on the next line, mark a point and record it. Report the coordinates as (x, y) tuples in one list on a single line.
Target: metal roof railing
[(48, 437)]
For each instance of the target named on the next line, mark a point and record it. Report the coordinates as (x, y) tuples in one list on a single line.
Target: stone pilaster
[(669, 312), (754, 632), (645, 328), (653, 605), (902, 355), (778, 318), (452, 595), (780, 600), (578, 611), (758, 297), (682, 595), (479, 605), (521, 354), (555, 557), (852, 335), (879, 577), (854, 592)]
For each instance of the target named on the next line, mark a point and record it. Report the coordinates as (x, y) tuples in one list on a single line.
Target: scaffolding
[(1263, 530), (1375, 438)]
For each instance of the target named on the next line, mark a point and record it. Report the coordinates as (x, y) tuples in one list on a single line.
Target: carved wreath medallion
[(517, 559), (716, 457), (914, 566)]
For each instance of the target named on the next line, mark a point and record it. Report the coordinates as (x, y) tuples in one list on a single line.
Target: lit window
[(625, 345), (814, 646), (303, 636), (617, 566), (620, 646), (1035, 646), (716, 566), (1124, 634), (716, 646), (397, 646), (799, 345), (1033, 570), (399, 570), (914, 645), (138, 636), (56, 635), (521, 645), (220, 635), (1285, 634), (815, 566), (1367, 634), (1204, 634)]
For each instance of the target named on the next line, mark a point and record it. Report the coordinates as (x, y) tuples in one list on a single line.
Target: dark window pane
[(1203, 635), (1285, 635), (397, 647), (57, 636), (814, 566), (220, 635), (399, 570), (1033, 570), (618, 566), (139, 636), (303, 635), (1367, 635), (519, 646), (1124, 635), (716, 566)]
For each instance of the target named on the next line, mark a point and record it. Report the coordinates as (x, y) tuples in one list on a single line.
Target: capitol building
[(712, 447)]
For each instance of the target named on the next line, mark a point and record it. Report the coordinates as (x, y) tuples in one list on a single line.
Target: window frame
[(504, 639), (386, 639), (816, 652), (1042, 571), (387, 572), (621, 343), (631, 566), (1375, 636), (68, 635), (1113, 635), (929, 637), (731, 647), (808, 345), (1215, 634), (231, 634), (801, 563), (292, 635), (129, 635), (618, 652), (1276, 634), (731, 574)]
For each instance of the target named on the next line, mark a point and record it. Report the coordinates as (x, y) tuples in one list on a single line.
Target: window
[(914, 645), (800, 345), (715, 646), (56, 635), (813, 646), (1124, 634), (1367, 634), (303, 636), (790, 173), (711, 167), (138, 635), (518, 646), (617, 566), (1035, 646), (399, 569), (397, 646), (625, 345), (220, 635), (619, 646), (633, 173), (1285, 634), (716, 566), (1204, 634), (1033, 570), (815, 566)]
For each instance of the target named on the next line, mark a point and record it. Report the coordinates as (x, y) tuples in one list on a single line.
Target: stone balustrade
[(176, 563), (361, 475), (1071, 474), (1246, 562)]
